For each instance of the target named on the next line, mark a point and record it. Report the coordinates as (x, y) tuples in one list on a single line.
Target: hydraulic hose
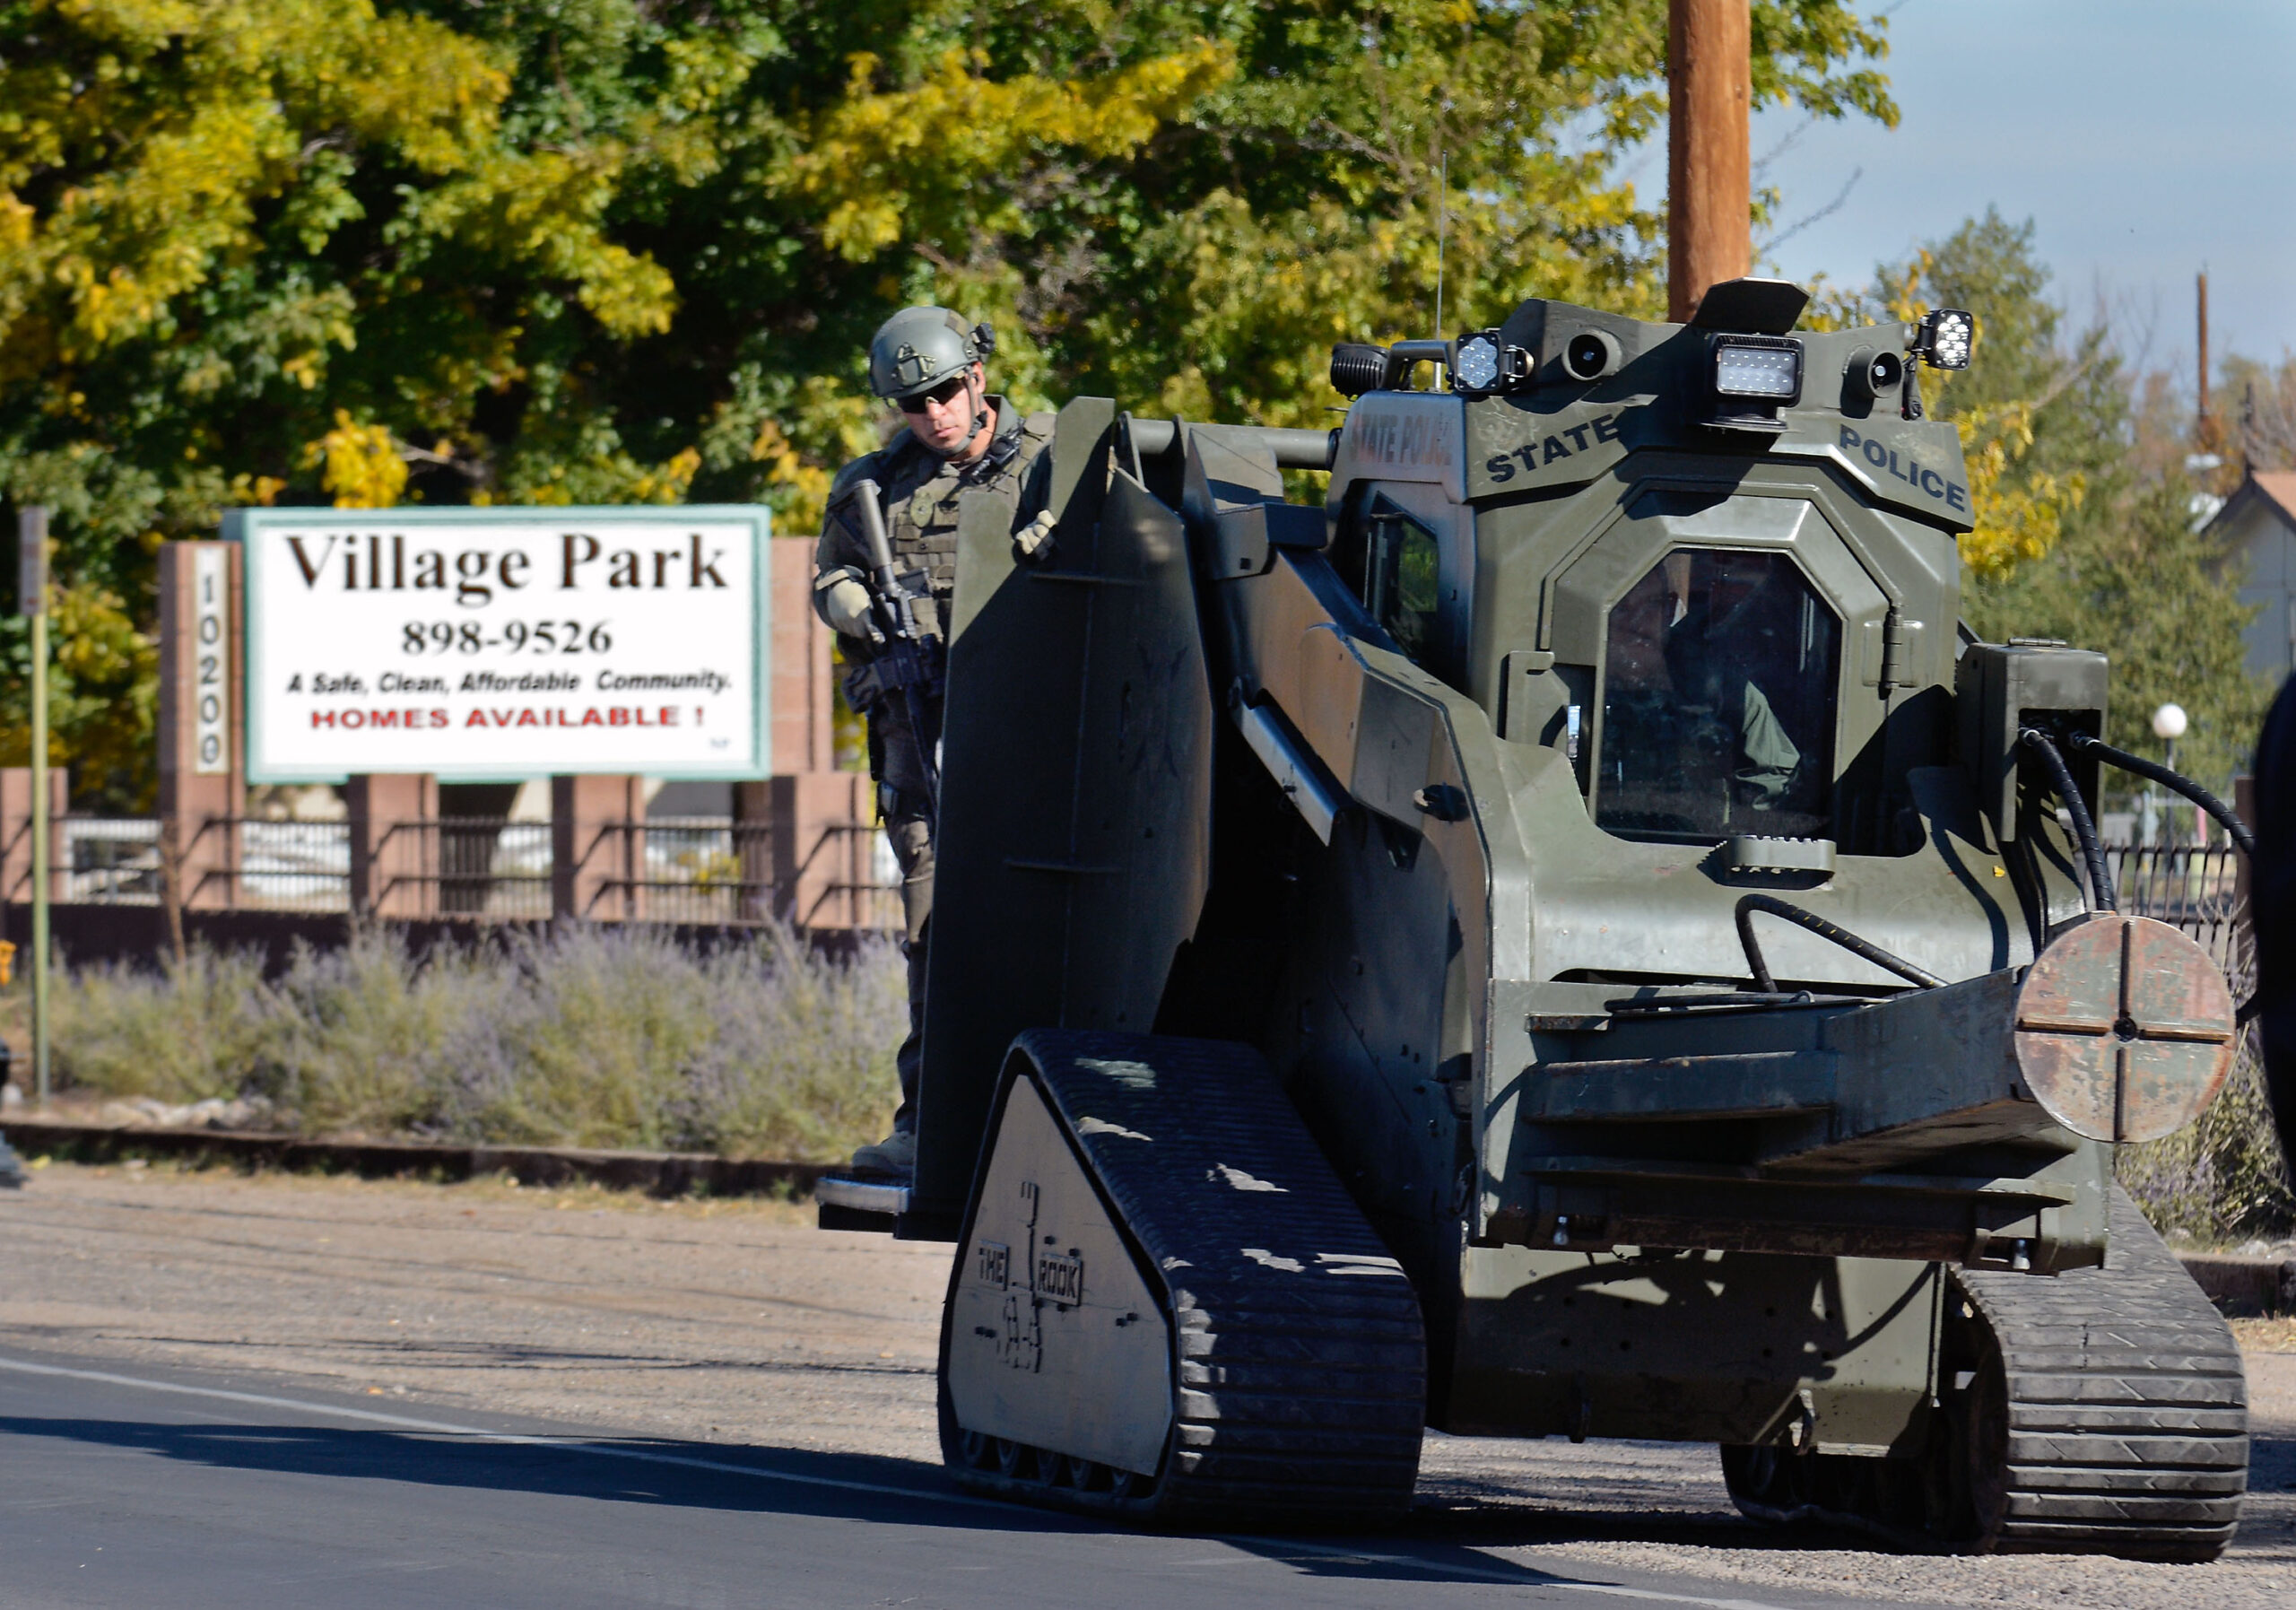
[(2100, 877), (2083, 744), (1864, 948)]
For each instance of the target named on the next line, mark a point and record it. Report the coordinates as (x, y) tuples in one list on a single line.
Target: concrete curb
[(2234, 1283), (657, 1173), (2244, 1285)]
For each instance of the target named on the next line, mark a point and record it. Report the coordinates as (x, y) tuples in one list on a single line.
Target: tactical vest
[(925, 496)]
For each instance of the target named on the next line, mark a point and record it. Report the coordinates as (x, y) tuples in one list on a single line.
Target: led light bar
[(1753, 377), (1761, 369)]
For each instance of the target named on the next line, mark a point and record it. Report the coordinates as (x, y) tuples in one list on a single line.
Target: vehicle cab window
[(1402, 587), (1719, 687)]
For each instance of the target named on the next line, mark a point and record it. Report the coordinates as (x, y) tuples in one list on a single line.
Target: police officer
[(959, 445)]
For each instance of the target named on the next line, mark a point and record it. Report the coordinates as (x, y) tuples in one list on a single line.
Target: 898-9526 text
[(515, 637)]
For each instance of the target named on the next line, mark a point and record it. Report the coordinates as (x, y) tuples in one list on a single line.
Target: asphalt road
[(146, 1486), (418, 1332)]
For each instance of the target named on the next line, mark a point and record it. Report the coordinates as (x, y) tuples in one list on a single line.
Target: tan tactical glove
[(845, 605), (1034, 541)]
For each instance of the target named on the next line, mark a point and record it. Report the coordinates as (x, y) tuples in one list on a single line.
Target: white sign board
[(500, 644)]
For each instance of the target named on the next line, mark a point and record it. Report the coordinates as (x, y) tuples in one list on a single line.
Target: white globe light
[(2170, 722)]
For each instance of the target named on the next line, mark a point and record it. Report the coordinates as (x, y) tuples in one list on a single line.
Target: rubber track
[(1301, 1367), (2127, 1405), (2126, 1417)]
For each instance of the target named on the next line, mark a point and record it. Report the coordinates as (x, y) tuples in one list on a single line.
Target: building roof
[(2280, 486), (2275, 489)]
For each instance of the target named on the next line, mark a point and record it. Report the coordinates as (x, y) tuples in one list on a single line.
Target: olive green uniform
[(924, 498)]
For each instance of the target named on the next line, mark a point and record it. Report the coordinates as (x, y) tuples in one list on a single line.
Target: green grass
[(592, 1036)]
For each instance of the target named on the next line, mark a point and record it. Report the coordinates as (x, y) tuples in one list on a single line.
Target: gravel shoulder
[(736, 1322)]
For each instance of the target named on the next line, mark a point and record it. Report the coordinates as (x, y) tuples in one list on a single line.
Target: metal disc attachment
[(2125, 1028)]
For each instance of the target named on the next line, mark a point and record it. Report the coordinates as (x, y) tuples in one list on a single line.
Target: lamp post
[(31, 599), (31, 541), (2169, 724)]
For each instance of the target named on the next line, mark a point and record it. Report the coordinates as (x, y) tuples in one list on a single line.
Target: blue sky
[(2144, 141)]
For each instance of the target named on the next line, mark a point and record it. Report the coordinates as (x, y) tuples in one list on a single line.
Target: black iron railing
[(2197, 888), (680, 870), (707, 869)]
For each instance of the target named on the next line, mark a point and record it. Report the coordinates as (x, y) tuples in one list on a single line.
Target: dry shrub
[(585, 1036), (619, 1037), (2222, 1178), (197, 1030)]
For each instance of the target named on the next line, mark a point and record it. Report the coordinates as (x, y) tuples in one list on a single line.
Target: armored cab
[(1568, 936)]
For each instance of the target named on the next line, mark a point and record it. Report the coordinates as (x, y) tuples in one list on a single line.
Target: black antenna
[(1442, 222)]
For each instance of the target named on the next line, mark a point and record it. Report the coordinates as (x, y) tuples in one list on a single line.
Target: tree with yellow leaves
[(2018, 501), (615, 250)]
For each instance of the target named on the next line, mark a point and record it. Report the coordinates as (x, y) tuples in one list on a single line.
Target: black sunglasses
[(945, 392)]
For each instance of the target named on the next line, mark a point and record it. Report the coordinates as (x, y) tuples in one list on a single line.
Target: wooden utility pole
[(1710, 179), (2204, 431)]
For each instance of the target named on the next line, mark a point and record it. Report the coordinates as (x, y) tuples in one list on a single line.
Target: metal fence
[(485, 867), (703, 869), (879, 891), (110, 861), (283, 866), (288, 866), (697, 868), (714, 869), (2197, 888)]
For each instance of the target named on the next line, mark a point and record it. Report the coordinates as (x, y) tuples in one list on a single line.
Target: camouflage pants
[(905, 801)]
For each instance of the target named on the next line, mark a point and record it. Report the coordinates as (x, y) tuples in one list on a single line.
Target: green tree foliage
[(615, 250), (1301, 199), (2120, 567), (2138, 581), (102, 695), (2256, 410), (2089, 531), (2027, 467)]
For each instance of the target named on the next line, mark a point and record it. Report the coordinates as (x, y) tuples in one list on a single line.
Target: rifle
[(910, 662)]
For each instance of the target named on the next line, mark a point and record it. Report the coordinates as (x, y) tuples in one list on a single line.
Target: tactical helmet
[(917, 348)]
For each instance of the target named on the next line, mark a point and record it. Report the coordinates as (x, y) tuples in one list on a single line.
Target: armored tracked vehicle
[(1565, 937)]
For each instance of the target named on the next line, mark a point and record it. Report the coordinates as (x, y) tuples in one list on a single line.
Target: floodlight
[(1477, 369), (1753, 377), (1947, 337), (1480, 362), (1765, 368)]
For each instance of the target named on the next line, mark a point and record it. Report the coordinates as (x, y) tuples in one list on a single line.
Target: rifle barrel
[(866, 493)]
